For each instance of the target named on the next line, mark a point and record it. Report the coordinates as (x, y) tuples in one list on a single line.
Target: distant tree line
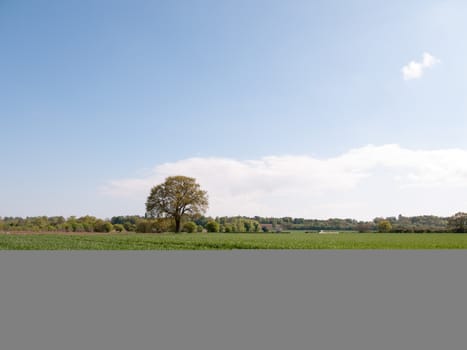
[(56, 223), (402, 224), (135, 223), (132, 223)]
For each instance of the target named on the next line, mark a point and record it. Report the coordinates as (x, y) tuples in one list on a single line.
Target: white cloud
[(414, 70), (361, 183)]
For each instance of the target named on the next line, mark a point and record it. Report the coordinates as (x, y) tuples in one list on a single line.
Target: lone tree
[(177, 197)]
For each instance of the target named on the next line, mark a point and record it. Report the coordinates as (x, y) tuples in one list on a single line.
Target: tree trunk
[(177, 224)]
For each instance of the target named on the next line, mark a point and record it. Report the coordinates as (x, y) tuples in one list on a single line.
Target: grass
[(228, 241)]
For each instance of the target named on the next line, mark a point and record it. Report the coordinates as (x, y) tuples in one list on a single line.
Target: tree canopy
[(458, 222), (177, 197), (384, 226)]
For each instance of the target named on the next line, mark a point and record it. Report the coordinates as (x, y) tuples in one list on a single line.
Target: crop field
[(229, 241)]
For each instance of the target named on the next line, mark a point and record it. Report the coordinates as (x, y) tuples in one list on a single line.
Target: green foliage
[(154, 225), (176, 198), (144, 226), (384, 226), (212, 226), (201, 220), (119, 227), (256, 226), (189, 227), (128, 222), (238, 224), (107, 227)]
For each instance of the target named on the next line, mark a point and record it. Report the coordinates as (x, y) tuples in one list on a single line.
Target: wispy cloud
[(362, 183), (414, 69)]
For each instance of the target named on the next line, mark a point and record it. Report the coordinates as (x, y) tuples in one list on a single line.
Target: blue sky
[(101, 94)]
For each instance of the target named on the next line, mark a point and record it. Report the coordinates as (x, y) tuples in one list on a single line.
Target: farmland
[(230, 241)]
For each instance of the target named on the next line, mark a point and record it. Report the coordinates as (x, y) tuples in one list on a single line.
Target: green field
[(210, 241)]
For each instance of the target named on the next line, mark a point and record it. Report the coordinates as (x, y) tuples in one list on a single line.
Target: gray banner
[(233, 300)]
